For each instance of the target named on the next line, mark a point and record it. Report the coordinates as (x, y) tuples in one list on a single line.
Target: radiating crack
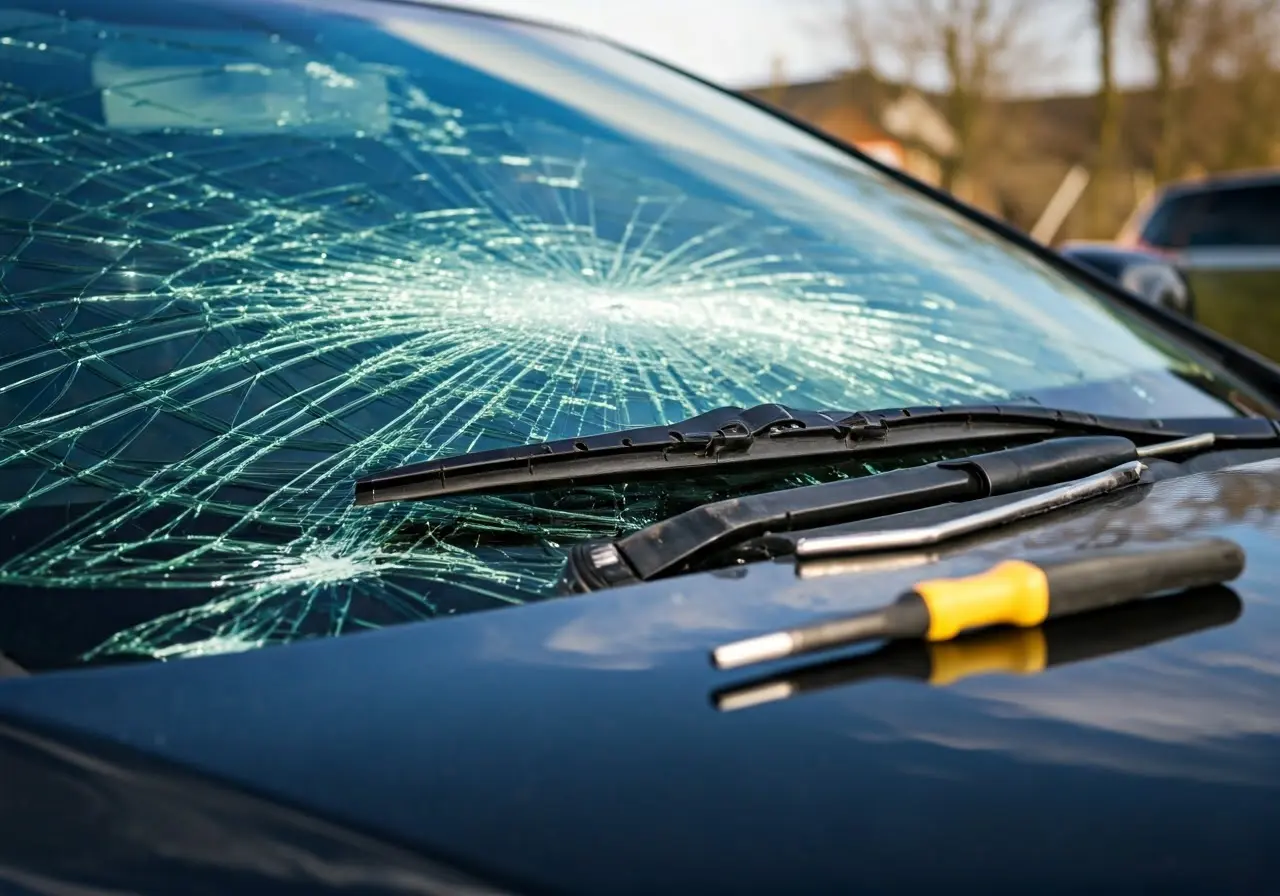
[(237, 273)]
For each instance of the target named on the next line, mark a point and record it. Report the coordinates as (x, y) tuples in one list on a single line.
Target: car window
[(1172, 220), (1246, 216), (1241, 216), (250, 251)]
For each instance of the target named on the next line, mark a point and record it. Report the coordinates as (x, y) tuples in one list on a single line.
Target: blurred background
[(1060, 116)]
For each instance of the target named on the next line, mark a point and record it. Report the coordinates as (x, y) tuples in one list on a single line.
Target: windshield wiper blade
[(740, 440)]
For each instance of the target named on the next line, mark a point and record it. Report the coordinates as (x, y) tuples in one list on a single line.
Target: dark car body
[(224, 676), (575, 746), (1223, 233)]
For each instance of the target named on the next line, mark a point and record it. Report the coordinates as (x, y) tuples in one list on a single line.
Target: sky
[(735, 42)]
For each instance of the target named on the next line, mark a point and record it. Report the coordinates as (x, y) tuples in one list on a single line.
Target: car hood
[(576, 746)]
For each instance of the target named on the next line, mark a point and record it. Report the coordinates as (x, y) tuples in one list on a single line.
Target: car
[(441, 453), (1143, 273), (1223, 233)]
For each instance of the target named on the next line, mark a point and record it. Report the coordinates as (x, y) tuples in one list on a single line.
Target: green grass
[(1242, 305)]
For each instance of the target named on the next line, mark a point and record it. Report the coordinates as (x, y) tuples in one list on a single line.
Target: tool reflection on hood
[(1015, 592), (1013, 651)]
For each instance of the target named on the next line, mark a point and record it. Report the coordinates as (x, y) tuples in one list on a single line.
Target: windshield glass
[(252, 250)]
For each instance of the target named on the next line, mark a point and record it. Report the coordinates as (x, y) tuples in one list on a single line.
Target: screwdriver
[(1013, 592), (1011, 651)]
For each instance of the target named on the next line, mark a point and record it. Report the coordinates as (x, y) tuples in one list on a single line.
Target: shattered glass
[(250, 251)]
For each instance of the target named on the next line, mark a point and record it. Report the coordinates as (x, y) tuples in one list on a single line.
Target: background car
[(1142, 273), (1223, 233)]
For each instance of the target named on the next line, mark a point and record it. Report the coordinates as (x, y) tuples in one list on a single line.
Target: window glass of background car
[(1240, 216), (1171, 220), (1246, 216)]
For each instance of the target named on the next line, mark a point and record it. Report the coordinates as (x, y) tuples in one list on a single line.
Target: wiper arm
[(739, 440), (1093, 465)]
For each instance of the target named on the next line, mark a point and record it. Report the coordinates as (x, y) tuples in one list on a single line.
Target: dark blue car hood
[(574, 746)]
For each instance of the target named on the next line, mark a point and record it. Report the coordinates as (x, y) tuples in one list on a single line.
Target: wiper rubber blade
[(733, 439)]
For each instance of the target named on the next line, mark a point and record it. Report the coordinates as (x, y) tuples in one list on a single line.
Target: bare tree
[(965, 52), (1105, 15), (1233, 75), (1167, 22), (777, 92), (1217, 65)]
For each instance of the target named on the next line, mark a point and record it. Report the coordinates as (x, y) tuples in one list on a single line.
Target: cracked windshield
[(252, 251)]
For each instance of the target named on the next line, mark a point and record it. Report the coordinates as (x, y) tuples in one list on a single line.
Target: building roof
[(861, 108)]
